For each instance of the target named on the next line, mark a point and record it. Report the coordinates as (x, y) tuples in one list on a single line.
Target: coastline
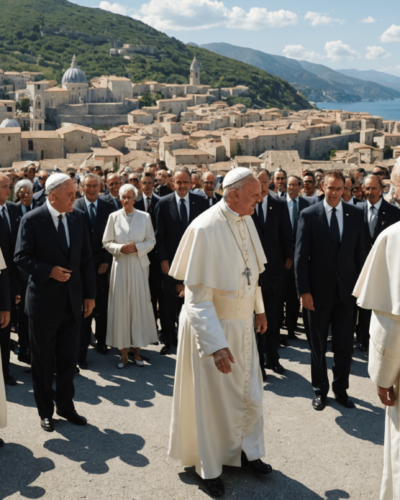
[(388, 110)]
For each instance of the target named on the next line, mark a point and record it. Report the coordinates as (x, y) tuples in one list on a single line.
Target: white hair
[(24, 183), (127, 187)]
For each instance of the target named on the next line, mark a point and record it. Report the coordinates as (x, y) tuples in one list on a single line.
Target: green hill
[(43, 35)]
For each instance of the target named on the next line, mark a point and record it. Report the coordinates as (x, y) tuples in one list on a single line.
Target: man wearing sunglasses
[(280, 179), (40, 195), (113, 183)]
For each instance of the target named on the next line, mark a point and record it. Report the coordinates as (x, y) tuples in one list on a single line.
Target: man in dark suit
[(295, 206), (53, 247), (24, 197), (114, 182), (40, 181), (378, 215), (148, 204), (271, 219), (96, 213), (209, 183), (9, 220), (161, 188), (173, 215), (280, 179), (329, 255)]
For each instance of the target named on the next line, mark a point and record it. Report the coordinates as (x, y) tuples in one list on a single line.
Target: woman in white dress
[(129, 237)]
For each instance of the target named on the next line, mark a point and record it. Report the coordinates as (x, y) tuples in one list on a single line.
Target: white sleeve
[(149, 241), (259, 307), (109, 238), (210, 336)]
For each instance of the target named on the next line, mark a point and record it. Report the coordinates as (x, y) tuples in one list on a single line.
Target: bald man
[(114, 182)]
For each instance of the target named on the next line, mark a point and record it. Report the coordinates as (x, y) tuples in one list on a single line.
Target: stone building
[(41, 145), (179, 157), (10, 146)]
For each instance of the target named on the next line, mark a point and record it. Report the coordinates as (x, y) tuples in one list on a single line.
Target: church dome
[(9, 123), (73, 74), (195, 64)]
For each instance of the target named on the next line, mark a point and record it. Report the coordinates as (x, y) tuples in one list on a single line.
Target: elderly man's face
[(43, 176), (357, 192), (147, 185), (293, 187), (196, 180), (247, 198), (4, 188), (162, 177), (91, 189), (31, 173), (113, 184), (333, 189), (182, 183), (309, 185), (280, 180), (25, 196), (63, 197), (209, 182), (347, 190), (264, 180), (373, 190)]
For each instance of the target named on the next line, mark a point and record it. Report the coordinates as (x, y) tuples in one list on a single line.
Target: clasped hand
[(223, 359), (129, 248), (387, 396)]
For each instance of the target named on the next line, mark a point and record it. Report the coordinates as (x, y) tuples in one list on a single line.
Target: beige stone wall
[(42, 148), (10, 147), (80, 142)]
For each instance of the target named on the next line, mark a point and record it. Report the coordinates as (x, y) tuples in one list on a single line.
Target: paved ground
[(122, 453)]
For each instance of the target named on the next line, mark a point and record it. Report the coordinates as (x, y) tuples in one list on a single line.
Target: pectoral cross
[(247, 274)]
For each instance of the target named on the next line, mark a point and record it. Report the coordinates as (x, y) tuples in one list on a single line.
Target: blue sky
[(351, 34)]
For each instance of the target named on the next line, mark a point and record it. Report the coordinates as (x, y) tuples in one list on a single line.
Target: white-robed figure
[(378, 288), (129, 237), (4, 321), (217, 416)]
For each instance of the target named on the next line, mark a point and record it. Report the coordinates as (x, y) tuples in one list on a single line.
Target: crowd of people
[(90, 253)]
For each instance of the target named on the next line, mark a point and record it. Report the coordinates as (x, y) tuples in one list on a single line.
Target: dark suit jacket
[(277, 242), (40, 197), (38, 250), (96, 230), (7, 244), (303, 203), (322, 270), (216, 199), (162, 191), (34, 204), (109, 199), (5, 298), (387, 215), (139, 205), (169, 230)]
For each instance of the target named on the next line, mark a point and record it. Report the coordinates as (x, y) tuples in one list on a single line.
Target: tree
[(388, 153), (239, 150), (24, 104)]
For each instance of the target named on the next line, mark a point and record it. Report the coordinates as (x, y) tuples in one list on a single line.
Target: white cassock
[(378, 288), (216, 416), (3, 401)]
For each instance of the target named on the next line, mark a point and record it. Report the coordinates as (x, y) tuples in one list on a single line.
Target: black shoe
[(9, 380), (47, 424), (257, 466), (84, 365), (291, 336), (264, 375), (1, 443), (25, 358), (164, 351), (277, 368), (283, 342), (101, 349), (215, 487), (319, 402), (72, 417), (343, 400)]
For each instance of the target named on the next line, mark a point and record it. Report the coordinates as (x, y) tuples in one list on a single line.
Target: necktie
[(282, 194), (116, 202), (261, 215), (184, 215), (148, 204), (295, 217), (334, 229), (62, 234), (372, 221), (92, 212), (3, 214)]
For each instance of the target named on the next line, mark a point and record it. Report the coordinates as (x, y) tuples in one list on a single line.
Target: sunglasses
[(308, 182), (42, 178), (112, 184), (209, 183), (72, 175), (280, 178), (380, 173)]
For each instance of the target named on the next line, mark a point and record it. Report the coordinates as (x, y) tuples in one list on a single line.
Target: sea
[(388, 110)]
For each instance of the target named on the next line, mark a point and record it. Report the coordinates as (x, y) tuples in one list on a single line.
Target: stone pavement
[(122, 453)]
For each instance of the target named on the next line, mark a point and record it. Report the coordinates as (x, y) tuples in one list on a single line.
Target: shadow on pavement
[(94, 448), (19, 468), (241, 484)]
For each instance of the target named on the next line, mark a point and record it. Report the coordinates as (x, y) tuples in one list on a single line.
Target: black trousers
[(5, 334), (54, 345), (268, 344), (155, 282), (292, 301), (341, 318), (171, 308), (23, 322), (364, 320), (99, 314)]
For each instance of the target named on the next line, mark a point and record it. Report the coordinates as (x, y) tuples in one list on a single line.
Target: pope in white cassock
[(378, 288), (217, 416)]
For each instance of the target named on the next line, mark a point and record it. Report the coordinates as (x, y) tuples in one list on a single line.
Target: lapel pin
[(347, 215), (270, 208), (383, 223)]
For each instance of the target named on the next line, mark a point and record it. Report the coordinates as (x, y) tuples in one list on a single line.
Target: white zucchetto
[(55, 180), (235, 175)]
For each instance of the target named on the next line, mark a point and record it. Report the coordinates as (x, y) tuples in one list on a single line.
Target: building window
[(38, 87), (42, 155), (30, 145), (9, 138), (40, 126), (9, 110)]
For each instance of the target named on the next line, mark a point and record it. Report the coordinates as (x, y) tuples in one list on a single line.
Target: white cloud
[(376, 53), (369, 20), (300, 52), (392, 34), (186, 15), (316, 18), (339, 51), (116, 8)]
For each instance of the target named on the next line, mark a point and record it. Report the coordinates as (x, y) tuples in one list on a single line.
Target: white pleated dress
[(130, 313)]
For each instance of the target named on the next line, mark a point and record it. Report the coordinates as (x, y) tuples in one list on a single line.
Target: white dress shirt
[(377, 206), (88, 203), (187, 204), (23, 207), (6, 212), (264, 204), (290, 203), (339, 215), (54, 215)]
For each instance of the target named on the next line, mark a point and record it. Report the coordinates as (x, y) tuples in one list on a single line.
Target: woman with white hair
[(24, 196), (129, 237)]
